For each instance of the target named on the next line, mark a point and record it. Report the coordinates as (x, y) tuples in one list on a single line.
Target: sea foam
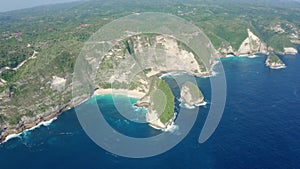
[(11, 136), (44, 123), (171, 128)]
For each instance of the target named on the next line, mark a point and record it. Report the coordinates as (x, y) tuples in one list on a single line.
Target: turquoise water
[(260, 128)]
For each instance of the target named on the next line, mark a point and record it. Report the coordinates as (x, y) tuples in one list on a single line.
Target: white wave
[(243, 55), (44, 123), (249, 56), (229, 56), (137, 108), (171, 128), (186, 106), (172, 74), (213, 74), (201, 104), (11, 136), (182, 104), (280, 67), (155, 127), (253, 56), (47, 123)]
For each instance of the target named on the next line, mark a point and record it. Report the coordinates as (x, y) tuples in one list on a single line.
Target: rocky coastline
[(250, 46), (7, 131)]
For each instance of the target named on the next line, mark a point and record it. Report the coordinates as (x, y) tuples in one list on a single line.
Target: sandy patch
[(123, 92)]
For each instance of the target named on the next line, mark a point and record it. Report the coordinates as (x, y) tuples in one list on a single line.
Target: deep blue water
[(260, 129)]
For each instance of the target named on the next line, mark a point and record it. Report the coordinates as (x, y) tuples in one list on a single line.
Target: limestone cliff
[(290, 50), (226, 49), (191, 95), (252, 44), (135, 63)]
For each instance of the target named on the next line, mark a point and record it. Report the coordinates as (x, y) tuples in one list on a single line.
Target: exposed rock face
[(290, 50), (274, 62), (155, 54), (252, 44), (191, 95), (226, 49), (2, 82), (58, 83), (125, 61), (123, 67), (153, 120)]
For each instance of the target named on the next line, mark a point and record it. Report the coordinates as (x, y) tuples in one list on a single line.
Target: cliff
[(252, 44), (160, 112), (144, 57), (191, 95), (290, 50)]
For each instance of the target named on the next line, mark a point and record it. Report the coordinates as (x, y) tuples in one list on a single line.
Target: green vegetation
[(14, 120), (272, 58), (58, 33), (161, 99), (2, 118)]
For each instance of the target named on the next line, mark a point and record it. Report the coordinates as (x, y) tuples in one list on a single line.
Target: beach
[(129, 93)]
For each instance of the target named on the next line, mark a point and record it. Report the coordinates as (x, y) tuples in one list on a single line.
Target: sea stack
[(191, 95), (274, 62)]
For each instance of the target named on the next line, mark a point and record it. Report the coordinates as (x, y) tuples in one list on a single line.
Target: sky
[(8, 5)]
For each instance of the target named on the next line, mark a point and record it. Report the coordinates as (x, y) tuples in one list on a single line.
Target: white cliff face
[(252, 44), (226, 49), (245, 47), (191, 95), (154, 121), (2, 82), (290, 50)]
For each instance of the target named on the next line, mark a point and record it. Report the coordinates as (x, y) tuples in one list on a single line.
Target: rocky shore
[(37, 120)]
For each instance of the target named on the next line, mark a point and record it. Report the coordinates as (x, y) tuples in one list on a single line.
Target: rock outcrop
[(252, 44), (290, 50), (274, 62), (226, 49), (58, 83), (191, 95)]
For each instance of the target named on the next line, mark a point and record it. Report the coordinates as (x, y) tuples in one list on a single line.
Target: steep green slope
[(161, 93)]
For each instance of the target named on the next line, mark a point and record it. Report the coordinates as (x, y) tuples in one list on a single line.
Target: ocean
[(259, 129)]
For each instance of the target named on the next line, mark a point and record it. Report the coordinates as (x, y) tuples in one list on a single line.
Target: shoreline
[(277, 67), (123, 92), (19, 130), (43, 123), (16, 131)]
